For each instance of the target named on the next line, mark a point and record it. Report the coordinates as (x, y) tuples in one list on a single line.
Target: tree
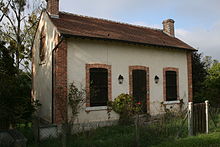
[(7, 78), (199, 73), (15, 103), (18, 25), (212, 83)]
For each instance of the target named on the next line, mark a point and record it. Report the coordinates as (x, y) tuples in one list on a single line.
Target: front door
[(140, 88)]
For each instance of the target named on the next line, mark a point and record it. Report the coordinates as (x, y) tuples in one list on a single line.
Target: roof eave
[(126, 41)]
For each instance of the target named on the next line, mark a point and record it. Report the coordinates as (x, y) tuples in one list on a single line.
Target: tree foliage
[(199, 73), (206, 79), (18, 23), (17, 27), (212, 83), (76, 99), (15, 103)]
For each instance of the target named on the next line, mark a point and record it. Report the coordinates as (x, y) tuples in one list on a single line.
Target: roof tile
[(83, 26)]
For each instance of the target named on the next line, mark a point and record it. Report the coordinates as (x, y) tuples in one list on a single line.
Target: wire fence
[(143, 131)]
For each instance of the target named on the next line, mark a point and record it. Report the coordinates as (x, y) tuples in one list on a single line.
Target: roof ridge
[(117, 22)]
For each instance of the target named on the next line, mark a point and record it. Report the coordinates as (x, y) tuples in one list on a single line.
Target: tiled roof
[(82, 26)]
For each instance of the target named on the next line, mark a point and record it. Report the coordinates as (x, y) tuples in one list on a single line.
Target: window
[(98, 84), (139, 86), (171, 83), (171, 86), (42, 50)]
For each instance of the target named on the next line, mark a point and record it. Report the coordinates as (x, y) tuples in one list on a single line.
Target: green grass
[(161, 134), (114, 136), (121, 136), (203, 140)]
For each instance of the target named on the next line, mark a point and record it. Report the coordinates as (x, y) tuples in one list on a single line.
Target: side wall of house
[(120, 56), (42, 71)]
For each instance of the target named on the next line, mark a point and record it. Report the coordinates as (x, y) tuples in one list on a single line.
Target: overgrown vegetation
[(203, 140), (168, 127), (206, 79), (15, 86), (199, 68), (18, 22), (212, 84), (168, 130), (126, 107), (76, 99)]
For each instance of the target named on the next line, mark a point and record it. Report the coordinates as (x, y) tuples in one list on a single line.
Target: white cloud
[(109, 8), (201, 15), (206, 40), (140, 23)]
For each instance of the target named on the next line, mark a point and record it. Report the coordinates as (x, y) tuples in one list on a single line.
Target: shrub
[(125, 106), (76, 98)]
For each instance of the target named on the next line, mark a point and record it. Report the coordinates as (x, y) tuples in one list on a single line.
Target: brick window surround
[(105, 66), (164, 81), (137, 67)]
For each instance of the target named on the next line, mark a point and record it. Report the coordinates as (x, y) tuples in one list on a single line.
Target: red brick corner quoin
[(108, 67), (60, 83), (164, 81), (137, 67), (189, 71)]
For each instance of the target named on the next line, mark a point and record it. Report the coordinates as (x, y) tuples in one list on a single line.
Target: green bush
[(76, 99), (16, 106), (212, 83), (125, 106)]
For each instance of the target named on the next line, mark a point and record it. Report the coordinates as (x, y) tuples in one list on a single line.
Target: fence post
[(36, 124), (207, 115), (137, 139), (190, 119)]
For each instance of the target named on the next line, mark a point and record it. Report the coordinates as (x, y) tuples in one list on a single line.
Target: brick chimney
[(168, 27), (53, 7)]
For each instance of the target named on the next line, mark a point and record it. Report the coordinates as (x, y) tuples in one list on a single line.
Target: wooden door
[(139, 87)]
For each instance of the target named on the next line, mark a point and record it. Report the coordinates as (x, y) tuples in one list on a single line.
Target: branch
[(2, 11), (26, 68), (2, 17), (27, 31), (11, 22), (7, 35), (13, 7)]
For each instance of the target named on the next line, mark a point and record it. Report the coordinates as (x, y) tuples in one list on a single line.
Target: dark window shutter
[(139, 87), (171, 86), (42, 45), (98, 86)]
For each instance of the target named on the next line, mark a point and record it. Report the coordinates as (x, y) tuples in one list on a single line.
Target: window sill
[(98, 108), (171, 102)]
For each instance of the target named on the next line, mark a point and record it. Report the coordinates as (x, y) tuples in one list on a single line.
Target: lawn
[(124, 136), (114, 136), (169, 132), (203, 140)]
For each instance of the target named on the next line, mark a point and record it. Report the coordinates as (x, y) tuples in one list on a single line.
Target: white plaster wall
[(42, 73), (121, 56)]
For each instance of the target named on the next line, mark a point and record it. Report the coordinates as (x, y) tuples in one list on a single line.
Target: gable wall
[(42, 72), (120, 56)]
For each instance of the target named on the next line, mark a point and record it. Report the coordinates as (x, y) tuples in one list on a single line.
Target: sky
[(197, 22)]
